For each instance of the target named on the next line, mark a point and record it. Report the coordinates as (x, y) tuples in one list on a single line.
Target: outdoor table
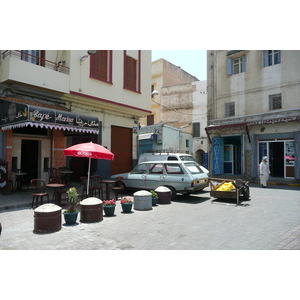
[(56, 187), (107, 189), (18, 180), (65, 176)]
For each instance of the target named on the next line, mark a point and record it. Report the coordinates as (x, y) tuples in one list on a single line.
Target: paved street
[(271, 220)]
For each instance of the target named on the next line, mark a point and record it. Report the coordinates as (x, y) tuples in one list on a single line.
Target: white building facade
[(254, 111), (199, 121), (107, 90)]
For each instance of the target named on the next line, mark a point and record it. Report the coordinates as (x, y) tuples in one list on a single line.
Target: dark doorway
[(29, 158), (276, 154)]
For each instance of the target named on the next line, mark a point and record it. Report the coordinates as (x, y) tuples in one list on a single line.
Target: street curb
[(13, 207), (278, 183)]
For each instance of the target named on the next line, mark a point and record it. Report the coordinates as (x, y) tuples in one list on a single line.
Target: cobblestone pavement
[(270, 221)]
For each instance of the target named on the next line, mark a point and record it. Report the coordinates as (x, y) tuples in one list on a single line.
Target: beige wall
[(165, 74), (250, 90)]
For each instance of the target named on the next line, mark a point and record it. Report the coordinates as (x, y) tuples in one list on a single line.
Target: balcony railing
[(37, 60)]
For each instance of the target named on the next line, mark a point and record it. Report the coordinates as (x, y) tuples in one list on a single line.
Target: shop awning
[(17, 115), (246, 125), (145, 136), (227, 126)]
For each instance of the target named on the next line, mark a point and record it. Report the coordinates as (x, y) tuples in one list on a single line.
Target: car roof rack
[(166, 151)]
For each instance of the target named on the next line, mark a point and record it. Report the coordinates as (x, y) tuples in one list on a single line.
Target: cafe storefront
[(33, 137)]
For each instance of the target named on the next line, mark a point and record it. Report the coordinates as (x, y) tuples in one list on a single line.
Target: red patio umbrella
[(90, 150)]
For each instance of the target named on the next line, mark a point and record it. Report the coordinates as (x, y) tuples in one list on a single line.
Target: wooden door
[(121, 147)]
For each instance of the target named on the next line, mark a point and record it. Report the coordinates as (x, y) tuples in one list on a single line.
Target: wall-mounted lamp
[(89, 52), (154, 93)]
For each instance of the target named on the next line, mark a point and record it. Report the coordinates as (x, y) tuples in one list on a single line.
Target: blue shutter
[(34, 60), (216, 155), (266, 58), (24, 56), (229, 66), (205, 160), (297, 154), (243, 63)]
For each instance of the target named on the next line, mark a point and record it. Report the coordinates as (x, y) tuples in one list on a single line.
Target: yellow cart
[(220, 188)]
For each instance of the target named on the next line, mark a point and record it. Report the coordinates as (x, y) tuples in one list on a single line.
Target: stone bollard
[(47, 218), (163, 194), (91, 210), (142, 200)]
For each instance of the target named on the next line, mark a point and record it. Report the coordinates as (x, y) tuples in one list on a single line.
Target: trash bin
[(163, 194), (47, 218), (91, 210), (142, 200)]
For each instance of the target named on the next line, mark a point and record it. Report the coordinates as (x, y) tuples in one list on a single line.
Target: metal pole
[(88, 181)]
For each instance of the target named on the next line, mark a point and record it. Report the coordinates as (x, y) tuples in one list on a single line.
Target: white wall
[(80, 81)]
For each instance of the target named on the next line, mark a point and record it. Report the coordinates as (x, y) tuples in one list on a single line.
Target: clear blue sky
[(191, 61)]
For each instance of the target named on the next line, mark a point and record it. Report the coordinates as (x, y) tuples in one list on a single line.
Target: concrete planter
[(47, 218), (91, 210), (163, 194), (142, 200)]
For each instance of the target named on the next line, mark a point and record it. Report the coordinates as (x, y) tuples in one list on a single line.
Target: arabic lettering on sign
[(274, 121), (80, 122), (13, 112), (93, 124), (17, 112)]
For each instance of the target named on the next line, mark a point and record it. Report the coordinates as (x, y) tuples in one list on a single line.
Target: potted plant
[(109, 207), (71, 213), (126, 203), (154, 198)]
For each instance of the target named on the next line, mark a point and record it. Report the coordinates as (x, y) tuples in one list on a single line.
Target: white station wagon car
[(183, 177)]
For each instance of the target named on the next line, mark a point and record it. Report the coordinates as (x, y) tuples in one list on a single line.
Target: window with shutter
[(132, 72), (130, 82), (196, 129), (237, 62), (150, 120), (101, 65), (272, 57), (275, 102), (229, 109)]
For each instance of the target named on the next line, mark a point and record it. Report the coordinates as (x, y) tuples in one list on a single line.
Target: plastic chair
[(61, 191), (39, 191), (84, 180), (118, 186), (97, 185), (52, 172), (64, 177)]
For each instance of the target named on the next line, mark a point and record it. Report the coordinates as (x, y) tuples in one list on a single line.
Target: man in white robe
[(264, 172)]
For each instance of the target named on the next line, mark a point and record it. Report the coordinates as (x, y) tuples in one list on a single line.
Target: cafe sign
[(15, 115)]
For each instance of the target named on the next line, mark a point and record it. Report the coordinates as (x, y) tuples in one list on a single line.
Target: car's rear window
[(156, 169), (193, 168), (139, 169), (173, 168)]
